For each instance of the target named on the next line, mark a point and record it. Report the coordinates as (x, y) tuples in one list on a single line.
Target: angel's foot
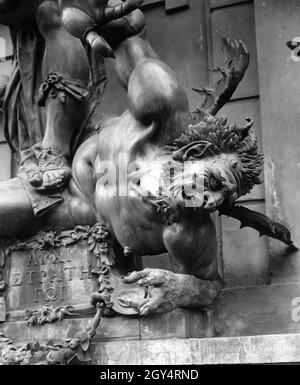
[(53, 171)]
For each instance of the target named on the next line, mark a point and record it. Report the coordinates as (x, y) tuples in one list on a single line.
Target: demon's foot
[(53, 170)]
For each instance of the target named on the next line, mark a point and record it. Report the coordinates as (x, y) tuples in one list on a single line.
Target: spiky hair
[(228, 139)]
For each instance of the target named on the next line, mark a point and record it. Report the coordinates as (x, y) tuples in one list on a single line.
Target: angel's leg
[(21, 209), (16, 213), (65, 65)]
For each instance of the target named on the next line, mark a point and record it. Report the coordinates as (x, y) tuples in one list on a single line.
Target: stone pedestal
[(47, 283)]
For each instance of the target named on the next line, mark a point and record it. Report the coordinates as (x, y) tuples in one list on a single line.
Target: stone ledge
[(256, 310), (116, 328), (249, 311), (280, 348), (180, 323)]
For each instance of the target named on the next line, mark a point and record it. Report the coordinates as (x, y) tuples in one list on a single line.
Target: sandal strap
[(50, 160)]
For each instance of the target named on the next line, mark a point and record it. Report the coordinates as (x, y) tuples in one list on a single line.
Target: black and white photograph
[(149, 185)]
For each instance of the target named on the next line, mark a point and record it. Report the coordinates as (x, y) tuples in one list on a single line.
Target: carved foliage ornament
[(54, 352), (48, 314), (97, 238), (61, 352)]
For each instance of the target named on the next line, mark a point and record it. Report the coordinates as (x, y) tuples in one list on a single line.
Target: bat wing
[(260, 222), (235, 65)]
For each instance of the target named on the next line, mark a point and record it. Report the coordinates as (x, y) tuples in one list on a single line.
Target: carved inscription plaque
[(56, 276)]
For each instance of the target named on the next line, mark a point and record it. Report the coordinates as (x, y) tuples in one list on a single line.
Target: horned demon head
[(212, 161)]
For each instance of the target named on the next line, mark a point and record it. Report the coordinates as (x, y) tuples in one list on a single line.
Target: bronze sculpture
[(154, 207), (145, 183), (157, 132)]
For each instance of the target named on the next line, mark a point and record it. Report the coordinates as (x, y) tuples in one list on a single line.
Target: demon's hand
[(164, 291)]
